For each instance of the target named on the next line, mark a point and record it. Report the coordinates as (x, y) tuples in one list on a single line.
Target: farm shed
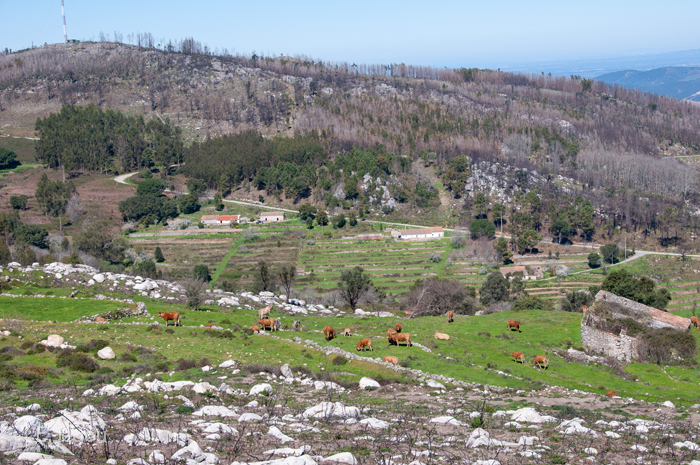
[(530, 273), (423, 234), (603, 329), (271, 217), (210, 219)]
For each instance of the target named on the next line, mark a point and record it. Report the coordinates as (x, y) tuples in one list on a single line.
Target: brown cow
[(255, 328), (397, 338), (364, 344), (347, 332), (208, 326), (328, 332), (518, 356), (167, 316), (391, 359), (100, 319), (695, 322), (273, 324), (264, 312), (398, 327), (541, 360), (611, 394), (514, 324), (389, 332), (441, 336), (450, 316)]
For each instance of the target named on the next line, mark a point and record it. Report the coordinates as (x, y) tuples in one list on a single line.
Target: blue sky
[(438, 33)]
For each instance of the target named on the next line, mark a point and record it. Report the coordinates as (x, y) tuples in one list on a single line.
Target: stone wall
[(623, 348)]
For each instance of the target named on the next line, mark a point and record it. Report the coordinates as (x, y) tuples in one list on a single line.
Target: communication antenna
[(63, 12)]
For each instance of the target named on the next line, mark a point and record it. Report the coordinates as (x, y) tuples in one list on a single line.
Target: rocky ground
[(284, 415)]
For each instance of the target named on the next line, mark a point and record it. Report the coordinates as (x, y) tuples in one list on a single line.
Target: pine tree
[(158, 255)]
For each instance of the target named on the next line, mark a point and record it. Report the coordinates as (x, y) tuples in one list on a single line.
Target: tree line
[(88, 138)]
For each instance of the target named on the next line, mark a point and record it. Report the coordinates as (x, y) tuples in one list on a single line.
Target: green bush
[(18, 202), (528, 302), (76, 361), (184, 410), (93, 346)]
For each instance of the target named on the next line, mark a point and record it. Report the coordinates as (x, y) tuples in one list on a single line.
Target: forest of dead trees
[(609, 139)]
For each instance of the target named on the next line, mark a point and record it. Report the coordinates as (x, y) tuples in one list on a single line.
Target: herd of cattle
[(394, 335)]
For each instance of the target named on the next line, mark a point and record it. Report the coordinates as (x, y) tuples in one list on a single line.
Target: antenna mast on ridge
[(63, 12)]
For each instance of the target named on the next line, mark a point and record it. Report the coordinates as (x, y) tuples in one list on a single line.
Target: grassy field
[(477, 352)]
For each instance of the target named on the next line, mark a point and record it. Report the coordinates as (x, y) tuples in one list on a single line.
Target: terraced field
[(394, 266)]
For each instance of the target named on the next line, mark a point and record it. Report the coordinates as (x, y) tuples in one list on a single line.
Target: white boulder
[(260, 388), (106, 353), (434, 384), (15, 445), (530, 415), (343, 457), (369, 383), (30, 426), (246, 417), (331, 410), (215, 411), (283, 438), (374, 423), (54, 340)]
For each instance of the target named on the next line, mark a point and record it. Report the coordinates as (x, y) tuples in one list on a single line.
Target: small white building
[(271, 217), (423, 234), (210, 219)]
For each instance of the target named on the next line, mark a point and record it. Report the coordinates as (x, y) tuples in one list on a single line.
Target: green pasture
[(477, 352)]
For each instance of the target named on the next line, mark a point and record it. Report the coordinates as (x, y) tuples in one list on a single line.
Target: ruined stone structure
[(621, 346)]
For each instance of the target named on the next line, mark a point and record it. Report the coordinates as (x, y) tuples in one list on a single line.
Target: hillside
[(677, 82)]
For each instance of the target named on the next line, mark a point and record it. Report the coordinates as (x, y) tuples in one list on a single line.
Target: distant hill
[(678, 82), (592, 67)]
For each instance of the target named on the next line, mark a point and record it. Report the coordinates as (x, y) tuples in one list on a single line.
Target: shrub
[(495, 289), (18, 202), (434, 296), (665, 346), (575, 301), (11, 351), (184, 410), (94, 345), (183, 365), (76, 361), (340, 360), (531, 303), (201, 272), (435, 257)]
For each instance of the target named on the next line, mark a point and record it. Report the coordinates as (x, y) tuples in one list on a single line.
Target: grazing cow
[(391, 359), (441, 336), (167, 316), (695, 322), (541, 361), (514, 324), (397, 338), (450, 316), (264, 312), (611, 394), (398, 327), (347, 332), (364, 344), (208, 326), (100, 319), (255, 328), (273, 324), (328, 332), (518, 356)]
